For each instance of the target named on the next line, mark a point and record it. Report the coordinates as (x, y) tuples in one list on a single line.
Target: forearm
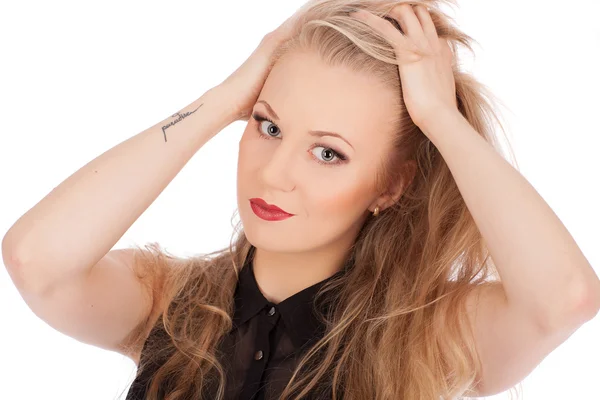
[(542, 268), (80, 220)]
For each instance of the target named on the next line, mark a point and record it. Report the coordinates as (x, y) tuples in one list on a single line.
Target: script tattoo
[(180, 116)]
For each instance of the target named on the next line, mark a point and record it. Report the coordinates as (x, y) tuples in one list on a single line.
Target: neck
[(281, 275)]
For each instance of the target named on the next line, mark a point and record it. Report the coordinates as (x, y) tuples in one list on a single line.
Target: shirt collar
[(296, 311)]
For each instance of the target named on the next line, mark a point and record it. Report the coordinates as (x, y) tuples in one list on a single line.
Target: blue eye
[(327, 151)]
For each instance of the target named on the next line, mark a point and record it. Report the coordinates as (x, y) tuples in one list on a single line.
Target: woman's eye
[(269, 127), (327, 155)]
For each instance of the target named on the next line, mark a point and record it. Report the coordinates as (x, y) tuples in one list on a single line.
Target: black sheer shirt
[(265, 343)]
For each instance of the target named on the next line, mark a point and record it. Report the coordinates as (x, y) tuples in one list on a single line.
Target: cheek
[(344, 200)]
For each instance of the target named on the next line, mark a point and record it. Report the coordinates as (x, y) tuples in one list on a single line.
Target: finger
[(380, 25), (447, 50), (408, 20), (426, 23), (395, 23)]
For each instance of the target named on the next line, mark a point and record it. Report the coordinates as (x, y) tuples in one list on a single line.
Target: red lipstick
[(268, 212)]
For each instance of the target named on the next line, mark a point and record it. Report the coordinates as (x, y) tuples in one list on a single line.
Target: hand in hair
[(424, 60), (246, 82)]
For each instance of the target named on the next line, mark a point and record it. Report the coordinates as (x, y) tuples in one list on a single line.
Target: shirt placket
[(268, 318)]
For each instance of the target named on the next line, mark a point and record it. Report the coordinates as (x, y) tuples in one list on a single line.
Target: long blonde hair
[(398, 327)]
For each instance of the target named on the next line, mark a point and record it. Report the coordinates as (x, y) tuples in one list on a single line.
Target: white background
[(77, 78)]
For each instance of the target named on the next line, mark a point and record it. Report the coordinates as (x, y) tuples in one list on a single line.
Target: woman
[(376, 279)]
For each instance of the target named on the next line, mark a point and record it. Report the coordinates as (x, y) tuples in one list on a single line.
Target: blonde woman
[(391, 254)]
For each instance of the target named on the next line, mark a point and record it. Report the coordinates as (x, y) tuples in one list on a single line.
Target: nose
[(277, 171)]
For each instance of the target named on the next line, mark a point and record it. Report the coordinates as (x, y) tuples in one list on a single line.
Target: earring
[(376, 212)]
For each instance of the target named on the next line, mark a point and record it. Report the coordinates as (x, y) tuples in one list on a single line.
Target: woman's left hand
[(425, 61)]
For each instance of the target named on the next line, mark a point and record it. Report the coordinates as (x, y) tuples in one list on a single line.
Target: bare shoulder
[(107, 306), (134, 352)]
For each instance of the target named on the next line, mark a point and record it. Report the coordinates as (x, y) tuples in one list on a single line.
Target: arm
[(87, 213), (543, 271), (548, 288)]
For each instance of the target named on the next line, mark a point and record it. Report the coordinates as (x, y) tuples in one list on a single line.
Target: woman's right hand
[(245, 83)]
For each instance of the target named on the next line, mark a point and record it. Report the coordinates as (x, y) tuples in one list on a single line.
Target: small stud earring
[(376, 212)]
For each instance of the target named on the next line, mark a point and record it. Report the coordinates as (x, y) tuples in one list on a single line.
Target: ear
[(395, 192)]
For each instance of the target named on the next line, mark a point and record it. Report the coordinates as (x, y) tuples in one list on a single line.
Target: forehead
[(305, 92)]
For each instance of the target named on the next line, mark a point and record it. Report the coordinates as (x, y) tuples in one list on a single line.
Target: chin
[(267, 238)]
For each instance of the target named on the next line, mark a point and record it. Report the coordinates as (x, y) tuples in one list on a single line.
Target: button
[(258, 355), (271, 311)]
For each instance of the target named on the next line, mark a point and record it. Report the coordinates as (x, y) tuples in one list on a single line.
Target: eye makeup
[(342, 158)]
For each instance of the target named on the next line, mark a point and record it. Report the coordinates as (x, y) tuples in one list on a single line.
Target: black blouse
[(265, 343)]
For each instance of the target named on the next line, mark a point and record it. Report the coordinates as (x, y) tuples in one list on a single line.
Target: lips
[(269, 207)]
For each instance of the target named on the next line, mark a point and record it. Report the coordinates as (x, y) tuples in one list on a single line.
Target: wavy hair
[(398, 327)]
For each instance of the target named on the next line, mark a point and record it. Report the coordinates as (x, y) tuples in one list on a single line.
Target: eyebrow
[(313, 133)]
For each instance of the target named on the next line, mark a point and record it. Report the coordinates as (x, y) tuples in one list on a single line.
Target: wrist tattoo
[(180, 117)]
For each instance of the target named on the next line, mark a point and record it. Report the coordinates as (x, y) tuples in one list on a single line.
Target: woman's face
[(325, 181)]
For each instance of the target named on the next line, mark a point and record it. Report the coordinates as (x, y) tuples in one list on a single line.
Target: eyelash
[(341, 157)]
